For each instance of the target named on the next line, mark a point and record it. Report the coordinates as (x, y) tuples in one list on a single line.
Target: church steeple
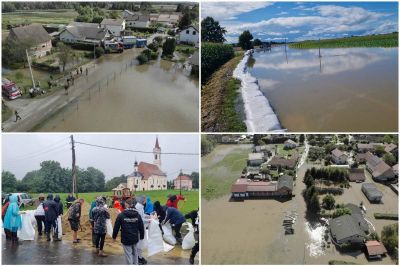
[(157, 154)]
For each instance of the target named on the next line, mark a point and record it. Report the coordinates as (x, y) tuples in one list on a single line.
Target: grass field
[(192, 197), (283, 152), (381, 40), (217, 179)]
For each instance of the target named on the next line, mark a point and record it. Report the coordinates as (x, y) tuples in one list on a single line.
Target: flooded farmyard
[(344, 89)]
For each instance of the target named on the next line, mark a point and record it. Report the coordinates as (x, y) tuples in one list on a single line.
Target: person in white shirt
[(39, 215)]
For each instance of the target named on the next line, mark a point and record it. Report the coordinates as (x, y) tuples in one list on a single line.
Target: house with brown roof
[(282, 162), (356, 175), (35, 35), (390, 148), (379, 170), (183, 182), (339, 157), (147, 176)]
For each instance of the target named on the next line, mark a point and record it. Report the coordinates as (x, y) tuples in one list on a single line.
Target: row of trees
[(328, 173), (207, 144)]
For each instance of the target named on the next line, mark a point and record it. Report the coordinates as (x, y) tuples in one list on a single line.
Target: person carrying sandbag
[(51, 213), (12, 219), (100, 215), (176, 219), (74, 218), (132, 229), (40, 215)]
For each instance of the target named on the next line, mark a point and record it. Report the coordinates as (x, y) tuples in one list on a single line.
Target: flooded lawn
[(352, 89), (126, 97)]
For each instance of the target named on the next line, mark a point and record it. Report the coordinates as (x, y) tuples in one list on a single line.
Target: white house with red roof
[(147, 176), (183, 181)]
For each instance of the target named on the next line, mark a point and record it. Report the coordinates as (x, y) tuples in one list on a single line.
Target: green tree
[(14, 51), (114, 182), (211, 31), (328, 202), (257, 42), (8, 182), (390, 238), (387, 139), (390, 159), (341, 211), (184, 21), (301, 138), (314, 206), (169, 47), (64, 55), (245, 40), (195, 179)]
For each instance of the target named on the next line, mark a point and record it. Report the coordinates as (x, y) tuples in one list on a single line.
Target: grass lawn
[(59, 16), (283, 152), (192, 197), (217, 179), (185, 49)]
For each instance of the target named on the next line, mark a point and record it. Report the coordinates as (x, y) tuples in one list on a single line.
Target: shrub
[(153, 47), (154, 55), (214, 55), (328, 202), (387, 216), (171, 33), (158, 40), (169, 47), (142, 58), (98, 51)]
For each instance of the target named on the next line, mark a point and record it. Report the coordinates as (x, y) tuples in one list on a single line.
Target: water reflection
[(312, 93)]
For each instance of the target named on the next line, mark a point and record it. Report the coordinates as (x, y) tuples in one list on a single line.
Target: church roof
[(148, 169)]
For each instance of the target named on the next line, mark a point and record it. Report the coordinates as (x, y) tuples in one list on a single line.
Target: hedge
[(214, 55), (386, 216)]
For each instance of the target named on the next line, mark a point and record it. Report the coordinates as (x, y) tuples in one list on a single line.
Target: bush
[(98, 51), (390, 238), (154, 55), (341, 211), (169, 47), (387, 216), (153, 47), (158, 40), (171, 33), (214, 55), (142, 58), (328, 202)]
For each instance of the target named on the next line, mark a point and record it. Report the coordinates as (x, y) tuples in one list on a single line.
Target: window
[(194, 32), (187, 32)]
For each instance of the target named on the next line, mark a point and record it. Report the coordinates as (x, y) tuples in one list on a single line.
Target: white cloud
[(229, 10)]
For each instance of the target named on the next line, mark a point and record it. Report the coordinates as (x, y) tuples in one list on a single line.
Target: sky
[(298, 21), (22, 153)]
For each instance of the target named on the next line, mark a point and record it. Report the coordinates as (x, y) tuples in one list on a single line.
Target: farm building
[(365, 147), (121, 190), (35, 35), (139, 21), (346, 231), (147, 176), (267, 150), (83, 33), (255, 159), (282, 162), (115, 26), (379, 170), (244, 188), (375, 249), (183, 182), (356, 175), (189, 35), (339, 157), (290, 144), (371, 192), (169, 19)]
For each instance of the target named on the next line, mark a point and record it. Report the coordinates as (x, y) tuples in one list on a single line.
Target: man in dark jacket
[(70, 199), (132, 229), (74, 219), (176, 219), (60, 210), (100, 215), (51, 213)]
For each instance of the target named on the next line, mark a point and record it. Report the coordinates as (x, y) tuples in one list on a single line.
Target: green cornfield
[(381, 40), (214, 55)]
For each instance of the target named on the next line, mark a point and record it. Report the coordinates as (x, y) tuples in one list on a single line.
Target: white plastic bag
[(168, 236), (167, 247), (59, 226), (155, 239), (189, 241), (109, 227), (27, 231), (143, 243)]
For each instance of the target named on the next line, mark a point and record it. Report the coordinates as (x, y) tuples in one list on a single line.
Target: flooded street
[(123, 96), (352, 89)]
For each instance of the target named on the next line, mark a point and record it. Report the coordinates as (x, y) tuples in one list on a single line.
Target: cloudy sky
[(22, 153), (303, 20)]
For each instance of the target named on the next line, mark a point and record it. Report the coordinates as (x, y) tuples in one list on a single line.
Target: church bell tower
[(157, 154)]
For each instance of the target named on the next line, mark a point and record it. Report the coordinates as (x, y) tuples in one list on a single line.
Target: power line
[(53, 150), (134, 151)]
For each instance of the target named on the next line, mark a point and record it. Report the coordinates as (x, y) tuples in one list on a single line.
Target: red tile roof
[(375, 248), (183, 177), (148, 169)]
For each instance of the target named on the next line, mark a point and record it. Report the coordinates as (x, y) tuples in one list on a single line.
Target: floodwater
[(124, 96), (349, 89)]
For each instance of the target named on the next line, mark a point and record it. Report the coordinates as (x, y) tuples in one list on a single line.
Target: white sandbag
[(109, 227), (143, 243), (27, 231), (59, 227), (155, 239), (168, 236), (189, 241), (167, 247), (31, 214)]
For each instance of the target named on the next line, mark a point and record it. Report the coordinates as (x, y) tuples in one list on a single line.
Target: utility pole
[(180, 183), (30, 68), (74, 188)]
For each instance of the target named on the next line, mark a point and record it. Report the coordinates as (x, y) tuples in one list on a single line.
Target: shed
[(375, 249), (371, 192)]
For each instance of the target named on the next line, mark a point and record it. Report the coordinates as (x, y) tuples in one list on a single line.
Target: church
[(147, 176)]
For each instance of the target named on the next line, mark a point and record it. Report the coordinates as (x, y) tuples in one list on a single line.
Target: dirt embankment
[(213, 95)]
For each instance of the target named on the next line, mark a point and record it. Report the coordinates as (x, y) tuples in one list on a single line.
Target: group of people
[(134, 217), (71, 78)]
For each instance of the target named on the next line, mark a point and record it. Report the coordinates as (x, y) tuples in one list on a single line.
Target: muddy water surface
[(352, 89), (126, 97)]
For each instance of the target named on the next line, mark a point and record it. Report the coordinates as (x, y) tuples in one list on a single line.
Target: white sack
[(189, 241), (168, 235), (27, 231), (109, 227), (59, 226), (155, 239)]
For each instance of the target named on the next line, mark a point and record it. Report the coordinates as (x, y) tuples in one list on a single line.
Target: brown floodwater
[(124, 96), (347, 89)]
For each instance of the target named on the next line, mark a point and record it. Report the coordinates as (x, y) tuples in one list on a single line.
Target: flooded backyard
[(123, 96), (349, 89)]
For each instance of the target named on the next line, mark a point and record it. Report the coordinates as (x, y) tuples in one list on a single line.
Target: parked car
[(24, 199), (10, 89)]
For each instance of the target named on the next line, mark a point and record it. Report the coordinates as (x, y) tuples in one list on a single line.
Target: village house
[(285, 163), (379, 170), (147, 176), (85, 33), (115, 26), (356, 175), (244, 188), (290, 144), (267, 150), (365, 147), (395, 169), (391, 148), (137, 20), (371, 192), (183, 182), (35, 35), (189, 35), (169, 19), (339, 157), (255, 159), (121, 190), (375, 249), (346, 231)]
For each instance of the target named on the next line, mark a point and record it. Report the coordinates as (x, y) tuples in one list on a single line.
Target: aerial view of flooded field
[(159, 93), (346, 89)]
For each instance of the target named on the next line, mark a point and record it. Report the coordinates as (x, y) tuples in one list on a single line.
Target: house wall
[(154, 182), (389, 174), (137, 24), (189, 35), (67, 37), (115, 29), (186, 184), (41, 49)]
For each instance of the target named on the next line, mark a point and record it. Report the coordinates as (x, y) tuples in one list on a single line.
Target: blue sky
[(303, 20)]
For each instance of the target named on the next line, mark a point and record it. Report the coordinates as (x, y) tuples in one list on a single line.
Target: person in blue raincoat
[(12, 219), (149, 207)]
